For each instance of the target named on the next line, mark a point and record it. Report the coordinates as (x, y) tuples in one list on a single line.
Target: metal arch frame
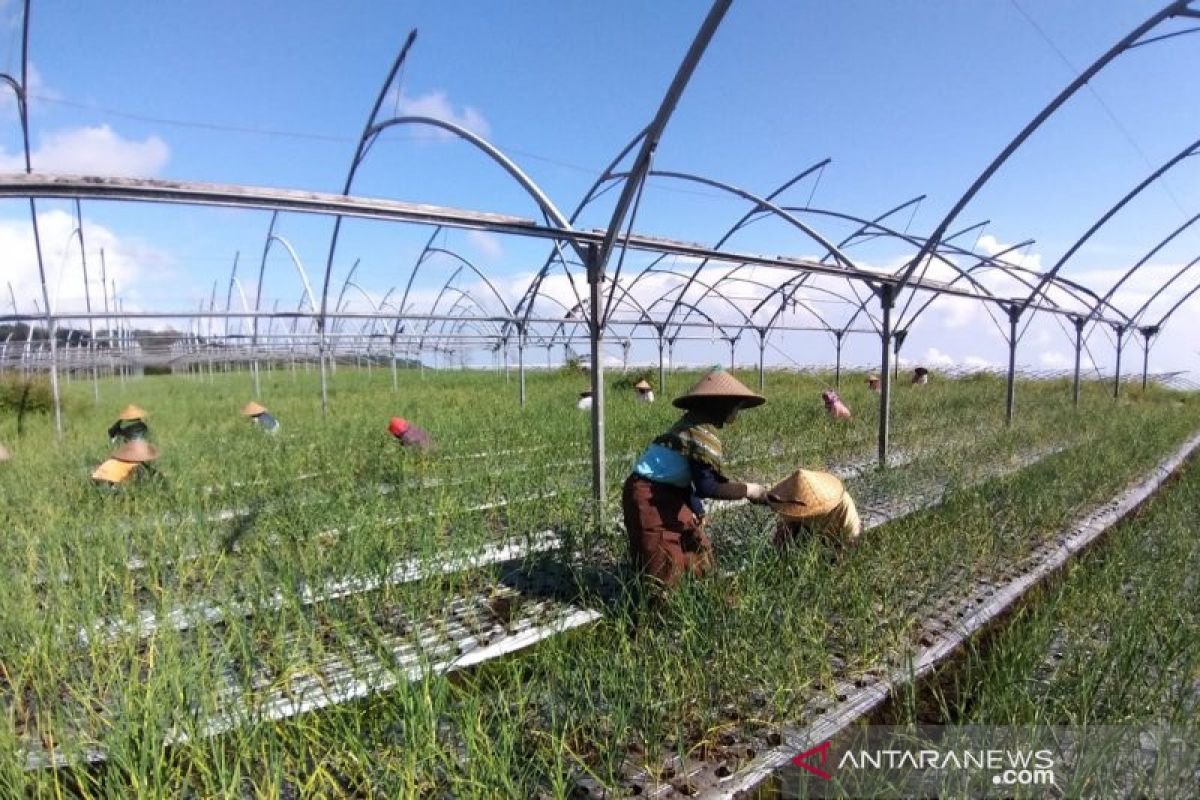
[(711, 289), (746, 218), (861, 233), (1149, 254), (1049, 276), (682, 290), (848, 241), (767, 208), (19, 90), (1145, 306), (1172, 9)]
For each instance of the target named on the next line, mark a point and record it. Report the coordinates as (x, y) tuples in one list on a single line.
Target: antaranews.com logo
[(1020, 767), (977, 761)]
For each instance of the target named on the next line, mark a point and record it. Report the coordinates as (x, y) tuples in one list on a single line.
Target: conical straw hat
[(642, 385), (253, 409), (806, 493), (136, 452), (719, 385), (131, 412)]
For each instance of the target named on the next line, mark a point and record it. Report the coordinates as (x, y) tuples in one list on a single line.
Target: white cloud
[(92, 151), (937, 358), (435, 104), (487, 244), (976, 362), (128, 263), (1053, 359)]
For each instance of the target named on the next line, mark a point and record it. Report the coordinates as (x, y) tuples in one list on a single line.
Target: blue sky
[(906, 98)]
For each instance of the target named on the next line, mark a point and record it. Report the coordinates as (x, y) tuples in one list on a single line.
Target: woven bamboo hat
[(136, 452), (719, 385), (643, 386), (806, 493), (131, 412), (252, 409)]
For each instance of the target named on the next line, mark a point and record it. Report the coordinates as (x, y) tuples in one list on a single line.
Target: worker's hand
[(756, 493)]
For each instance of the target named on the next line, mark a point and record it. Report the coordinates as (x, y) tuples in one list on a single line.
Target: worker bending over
[(834, 405), (664, 515), (130, 425), (261, 417), (131, 461), (814, 504), (409, 435)]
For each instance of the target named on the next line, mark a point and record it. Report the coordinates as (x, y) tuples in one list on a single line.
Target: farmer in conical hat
[(409, 435), (130, 425), (664, 516), (834, 405), (873, 383), (261, 416), (131, 460), (584, 403), (645, 392), (814, 503), (920, 376)]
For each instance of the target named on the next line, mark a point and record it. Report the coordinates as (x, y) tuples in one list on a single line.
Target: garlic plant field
[(321, 613)]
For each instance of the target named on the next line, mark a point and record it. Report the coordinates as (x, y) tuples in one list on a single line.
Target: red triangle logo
[(822, 751)]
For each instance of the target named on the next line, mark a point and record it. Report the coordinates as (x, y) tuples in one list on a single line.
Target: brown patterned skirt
[(666, 538)]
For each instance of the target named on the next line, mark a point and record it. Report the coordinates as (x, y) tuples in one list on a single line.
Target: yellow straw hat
[(806, 493), (136, 452), (131, 412), (252, 409), (719, 385), (642, 385)]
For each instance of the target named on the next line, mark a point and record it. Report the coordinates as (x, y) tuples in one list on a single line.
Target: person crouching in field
[(261, 417), (920, 376), (814, 504), (130, 425), (131, 461), (409, 435), (584, 403), (645, 392), (873, 383), (664, 516), (834, 405)]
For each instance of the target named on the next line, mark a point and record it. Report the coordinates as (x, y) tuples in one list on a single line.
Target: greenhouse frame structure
[(876, 302)]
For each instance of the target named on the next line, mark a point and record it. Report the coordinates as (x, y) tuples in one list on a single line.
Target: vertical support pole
[(662, 370), (732, 353), (887, 299), (1079, 322), (504, 345), (762, 355), (595, 329), (324, 377), (395, 376), (837, 359), (1120, 329), (1014, 317), (521, 362), (898, 338), (1147, 333)]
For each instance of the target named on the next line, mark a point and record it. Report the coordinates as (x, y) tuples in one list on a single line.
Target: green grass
[(579, 703)]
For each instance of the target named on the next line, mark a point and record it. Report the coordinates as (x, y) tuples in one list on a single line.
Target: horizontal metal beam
[(36, 185)]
